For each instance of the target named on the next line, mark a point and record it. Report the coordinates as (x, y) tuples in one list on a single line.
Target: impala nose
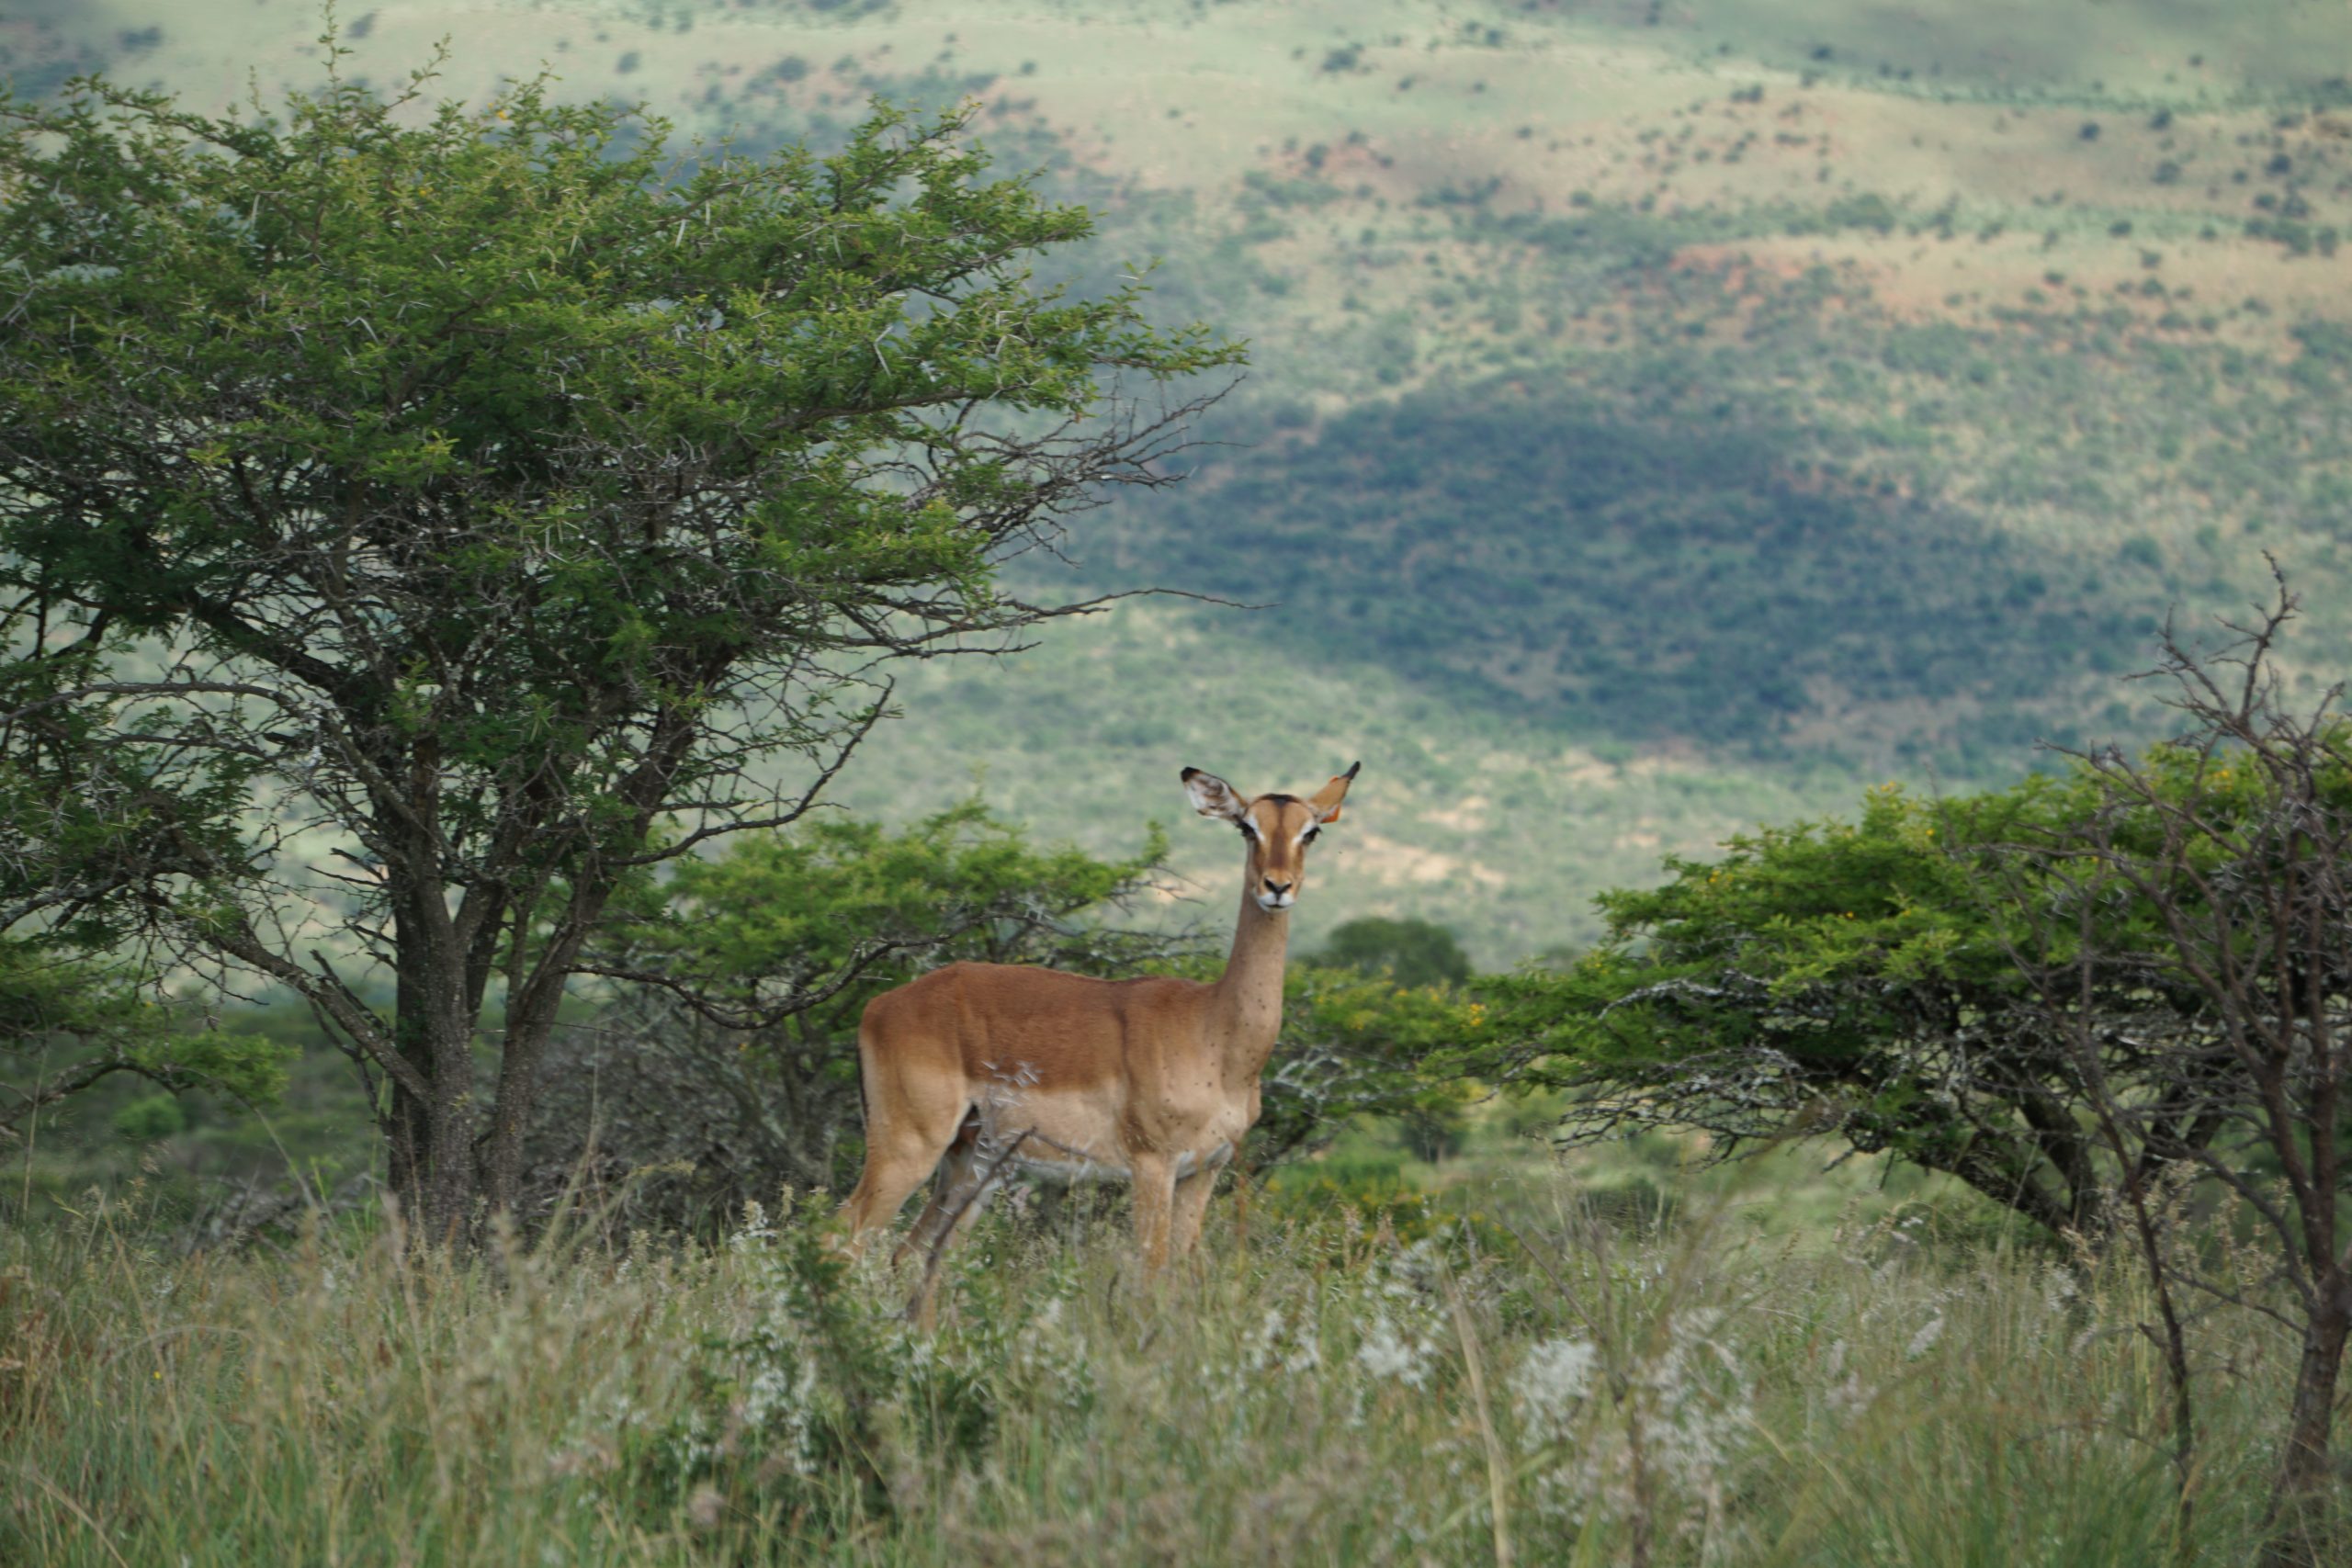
[(1277, 888)]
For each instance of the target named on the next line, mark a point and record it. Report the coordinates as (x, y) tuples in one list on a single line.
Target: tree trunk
[(408, 1122), (2308, 1468), (2015, 1190), (408, 1135), (530, 1021), (450, 1182), (434, 1167)]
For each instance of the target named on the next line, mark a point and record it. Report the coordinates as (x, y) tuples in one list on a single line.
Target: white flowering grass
[(1684, 1397)]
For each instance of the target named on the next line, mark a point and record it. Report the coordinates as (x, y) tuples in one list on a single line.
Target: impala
[(975, 1067)]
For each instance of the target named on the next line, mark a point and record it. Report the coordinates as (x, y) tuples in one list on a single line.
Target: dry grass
[(1693, 1396)]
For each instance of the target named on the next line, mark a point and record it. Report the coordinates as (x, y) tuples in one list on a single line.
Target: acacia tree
[(2082, 995), (1849, 979), (417, 506), (2212, 879)]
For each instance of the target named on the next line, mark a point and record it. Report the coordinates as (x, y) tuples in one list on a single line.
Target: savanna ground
[(1535, 1365)]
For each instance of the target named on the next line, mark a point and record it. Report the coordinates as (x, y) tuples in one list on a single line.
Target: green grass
[(1700, 1391)]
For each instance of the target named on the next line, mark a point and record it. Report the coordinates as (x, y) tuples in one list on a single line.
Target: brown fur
[(1155, 1079)]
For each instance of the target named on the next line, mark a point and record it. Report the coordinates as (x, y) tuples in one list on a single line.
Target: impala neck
[(1250, 993)]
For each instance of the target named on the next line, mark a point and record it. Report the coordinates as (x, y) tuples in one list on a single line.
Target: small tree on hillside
[(418, 505), (1405, 953), (1408, 951)]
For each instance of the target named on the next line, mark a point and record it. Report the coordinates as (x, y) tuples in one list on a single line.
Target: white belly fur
[(1064, 1143), (1061, 1168)]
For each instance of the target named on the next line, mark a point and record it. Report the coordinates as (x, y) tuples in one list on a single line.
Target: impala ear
[(1326, 804), (1212, 797)]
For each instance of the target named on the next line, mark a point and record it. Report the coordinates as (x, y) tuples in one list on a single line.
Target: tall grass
[(1675, 1395)]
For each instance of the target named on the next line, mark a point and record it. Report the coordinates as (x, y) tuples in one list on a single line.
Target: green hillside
[(1664, 416)]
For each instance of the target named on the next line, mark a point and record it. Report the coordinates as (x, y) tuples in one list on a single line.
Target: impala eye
[(1311, 834)]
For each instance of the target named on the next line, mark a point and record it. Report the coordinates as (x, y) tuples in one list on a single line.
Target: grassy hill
[(1666, 416)]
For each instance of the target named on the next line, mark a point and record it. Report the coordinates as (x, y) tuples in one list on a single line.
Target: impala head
[(1278, 827)]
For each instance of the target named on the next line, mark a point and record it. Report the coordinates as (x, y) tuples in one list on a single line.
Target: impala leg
[(882, 1191), (1192, 1206), (1154, 1178), (955, 1199), (897, 1158)]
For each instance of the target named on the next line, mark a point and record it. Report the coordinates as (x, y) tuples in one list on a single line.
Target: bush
[(148, 1118)]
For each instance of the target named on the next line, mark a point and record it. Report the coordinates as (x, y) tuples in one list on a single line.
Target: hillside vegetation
[(1663, 416)]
